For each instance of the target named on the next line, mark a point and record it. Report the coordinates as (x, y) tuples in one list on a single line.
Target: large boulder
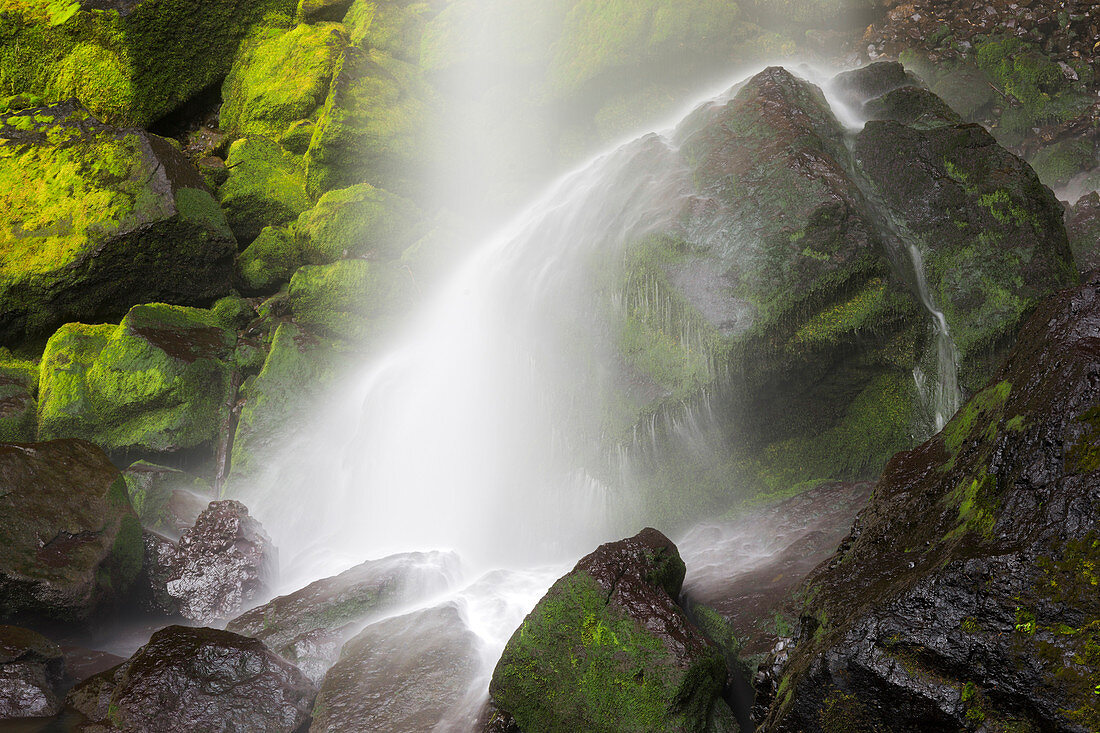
[(97, 218), (221, 563), (351, 299), (401, 675), (965, 596), (128, 61), (71, 542), (159, 382), (265, 187), (189, 679), (31, 671), (608, 649), (308, 627)]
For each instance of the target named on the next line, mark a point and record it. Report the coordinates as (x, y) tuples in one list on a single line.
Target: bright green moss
[(393, 28), (978, 419), (350, 299), (279, 77), (266, 187), (64, 403), (847, 316), (270, 260), (18, 405), (358, 221)]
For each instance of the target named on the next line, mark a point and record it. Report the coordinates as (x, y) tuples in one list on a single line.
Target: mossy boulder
[(97, 218), (166, 500), (360, 221), (1056, 164), (71, 543), (265, 187), (269, 261), (608, 649), (991, 235), (373, 127), (129, 62), (351, 299), (280, 77), (159, 382), (965, 596), (394, 27), (18, 399)]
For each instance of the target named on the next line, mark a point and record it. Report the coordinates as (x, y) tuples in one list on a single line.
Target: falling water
[(941, 395)]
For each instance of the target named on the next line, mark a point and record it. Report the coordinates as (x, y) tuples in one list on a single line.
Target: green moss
[(18, 403), (1056, 164), (978, 419), (393, 28), (131, 68), (266, 187), (361, 221), (159, 381), (350, 299), (279, 77), (270, 260), (846, 317), (844, 713)]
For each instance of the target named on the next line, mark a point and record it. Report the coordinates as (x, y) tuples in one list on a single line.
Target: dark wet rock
[(1083, 227), (309, 626), (167, 500), (70, 540), (18, 400), (141, 228), (401, 675), (221, 564), (187, 680), (31, 670), (152, 585), (607, 648), (82, 663), (965, 596), (914, 106), (859, 86), (747, 570)]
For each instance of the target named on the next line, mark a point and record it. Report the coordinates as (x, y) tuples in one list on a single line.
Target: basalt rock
[(188, 679), (402, 675), (97, 218), (965, 596), (71, 542), (224, 561), (31, 670), (309, 626), (608, 649)]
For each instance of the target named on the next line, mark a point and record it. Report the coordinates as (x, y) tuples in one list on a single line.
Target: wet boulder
[(97, 218), (308, 627), (402, 675), (188, 679), (158, 382), (608, 649), (149, 56), (221, 563), (167, 500), (31, 670), (965, 595), (71, 541), (1083, 227)]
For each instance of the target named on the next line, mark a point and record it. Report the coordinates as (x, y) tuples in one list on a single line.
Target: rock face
[(31, 668), (149, 56), (965, 596), (188, 679), (160, 381), (71, 541), (309, 626), (608, 649), (221, 563), (98, 218), (402, 675)]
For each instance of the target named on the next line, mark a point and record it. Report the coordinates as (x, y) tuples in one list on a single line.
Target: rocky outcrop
[(308, 627), (31, 671), (402, 675), (224, 561), (158, 382), (188, 679), (97, 218), (71, 541), (608, 649), (965, 595)]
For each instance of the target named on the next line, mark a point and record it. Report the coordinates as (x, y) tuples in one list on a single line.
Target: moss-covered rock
[(158, 382), (1083, 228), (298, 367), (350, 299), (1056, 164), (265, 187), (361, 221), (393, 27), (280, 77), (70, 540), (608, 649), (98, 218), (270, 260), (128, 62), (18, 399), (965, 597), (166, 500), (373, 126)]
